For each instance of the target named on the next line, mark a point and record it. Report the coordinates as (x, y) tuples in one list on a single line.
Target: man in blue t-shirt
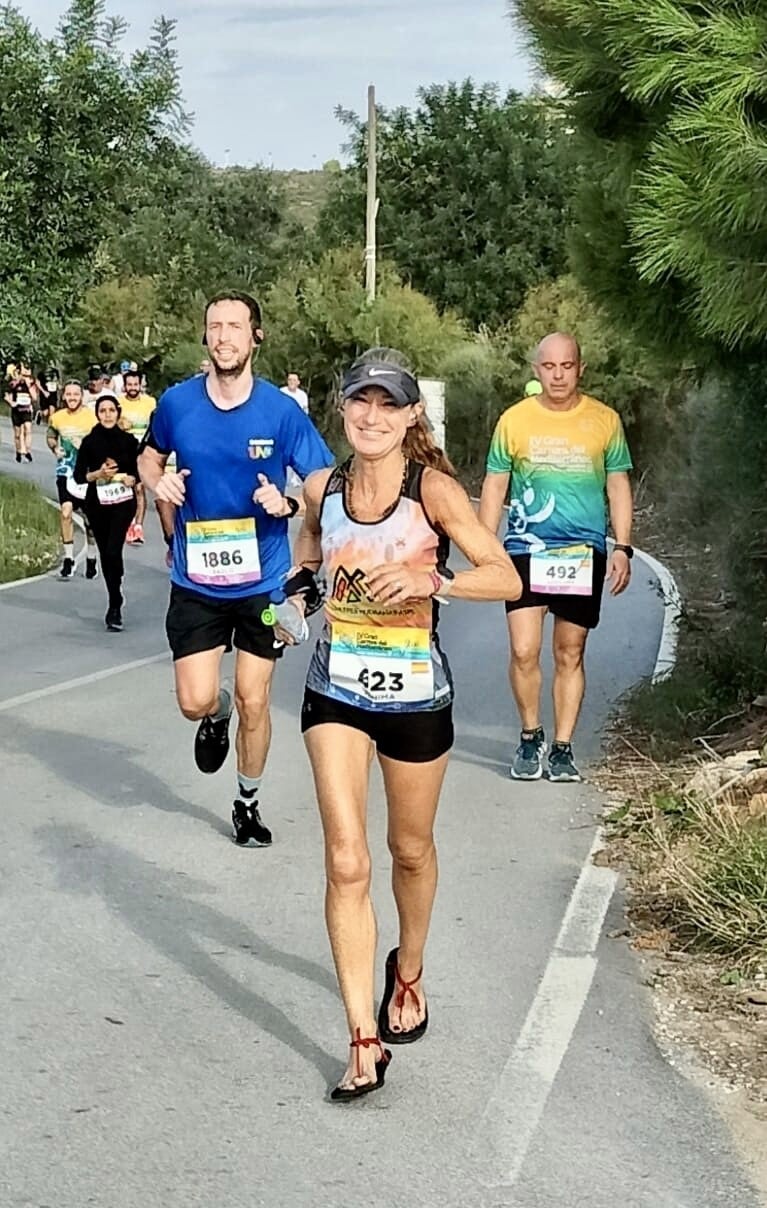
[(235, 438)]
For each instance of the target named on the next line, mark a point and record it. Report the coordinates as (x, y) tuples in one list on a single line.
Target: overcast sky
[(263, 77)]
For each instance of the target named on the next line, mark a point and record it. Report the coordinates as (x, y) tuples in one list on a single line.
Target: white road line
[(16, 702), (511, 1117)]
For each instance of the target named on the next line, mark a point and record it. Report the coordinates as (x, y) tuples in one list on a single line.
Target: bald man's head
[(558, 343), (558, 367)]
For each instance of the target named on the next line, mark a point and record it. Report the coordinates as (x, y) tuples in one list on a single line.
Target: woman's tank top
[(372, 655)]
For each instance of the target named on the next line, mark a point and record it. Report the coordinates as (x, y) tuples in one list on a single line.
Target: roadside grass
[(700, 870), (28, 531), (720, 669)]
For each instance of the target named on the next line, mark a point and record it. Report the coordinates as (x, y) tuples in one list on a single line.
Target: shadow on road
[(158, 906), (105, 770)]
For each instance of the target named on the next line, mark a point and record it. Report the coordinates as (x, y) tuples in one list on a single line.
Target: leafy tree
[(79, 123), (474, 190), (212, 227), (670, 101), (318, 320)]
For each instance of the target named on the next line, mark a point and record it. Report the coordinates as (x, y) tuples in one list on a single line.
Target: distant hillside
[(306, 191)]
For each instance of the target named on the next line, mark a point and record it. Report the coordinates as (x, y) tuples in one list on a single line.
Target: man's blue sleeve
[(305, 450)]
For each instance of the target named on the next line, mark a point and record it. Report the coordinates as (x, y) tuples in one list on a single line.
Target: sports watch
[(628, 550), (445, 576)]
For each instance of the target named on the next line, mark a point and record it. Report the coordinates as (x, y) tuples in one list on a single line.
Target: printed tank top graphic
[(372, 655)]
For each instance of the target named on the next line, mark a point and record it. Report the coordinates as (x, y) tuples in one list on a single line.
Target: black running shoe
[(211, 744), (28, 456), (18, 457), (67, 568), (114, 620), (561, 763), (91, 568), (247, 828)]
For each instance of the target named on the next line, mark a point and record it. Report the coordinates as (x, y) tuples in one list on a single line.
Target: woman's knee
[(348, 865), (412, 854)]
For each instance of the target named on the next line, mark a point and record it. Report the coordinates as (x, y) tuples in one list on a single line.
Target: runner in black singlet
[(379, 683)]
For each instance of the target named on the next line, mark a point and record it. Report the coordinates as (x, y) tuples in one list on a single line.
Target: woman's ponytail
[(419, 446)]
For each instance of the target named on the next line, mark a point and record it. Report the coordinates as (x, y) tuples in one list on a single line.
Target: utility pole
[(372, 205)]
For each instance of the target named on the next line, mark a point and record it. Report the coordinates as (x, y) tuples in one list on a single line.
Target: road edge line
[(26, 698)]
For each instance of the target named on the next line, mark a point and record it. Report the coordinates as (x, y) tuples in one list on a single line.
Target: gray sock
[(224, 706), (248, 785)]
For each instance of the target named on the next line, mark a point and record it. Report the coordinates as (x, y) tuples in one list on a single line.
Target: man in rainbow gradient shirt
[(566, 458)]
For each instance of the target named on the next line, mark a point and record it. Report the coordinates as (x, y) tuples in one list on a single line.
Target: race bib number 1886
[(221, 553)]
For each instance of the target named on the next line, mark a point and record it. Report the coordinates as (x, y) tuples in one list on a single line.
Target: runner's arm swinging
[(495, 488), (493, 575)]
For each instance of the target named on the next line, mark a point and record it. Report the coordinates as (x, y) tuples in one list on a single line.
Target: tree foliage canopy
[(670, 100), (79, 123), (474, 191)]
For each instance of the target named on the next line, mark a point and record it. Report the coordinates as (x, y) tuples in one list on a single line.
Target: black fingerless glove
[(304, 582)]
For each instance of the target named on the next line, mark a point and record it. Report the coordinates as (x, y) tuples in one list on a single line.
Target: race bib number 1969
[(382, 665), (113, 492), (568, 571), (221, 553)]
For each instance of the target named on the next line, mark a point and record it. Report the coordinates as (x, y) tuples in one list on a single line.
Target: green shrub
[(28, 531)]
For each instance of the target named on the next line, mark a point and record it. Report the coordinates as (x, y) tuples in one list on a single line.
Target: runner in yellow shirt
[(67, 428), (137, 411)]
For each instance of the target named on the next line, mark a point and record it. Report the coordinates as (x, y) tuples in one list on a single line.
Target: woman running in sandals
[(379, 683)]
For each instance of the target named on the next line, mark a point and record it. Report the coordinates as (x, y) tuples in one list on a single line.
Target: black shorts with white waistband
[(196, 623), (578, 610), (418, 737)]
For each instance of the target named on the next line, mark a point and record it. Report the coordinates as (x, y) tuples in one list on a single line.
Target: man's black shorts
[(579, 610), (196, 623), (65, 497), (417, 737), (21, 416)]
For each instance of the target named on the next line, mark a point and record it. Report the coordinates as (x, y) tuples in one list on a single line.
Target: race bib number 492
[(558, 572), (222, 553), (384, 666)]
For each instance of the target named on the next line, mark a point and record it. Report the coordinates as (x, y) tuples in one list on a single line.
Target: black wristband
[(628, 550), (305, 583), (293, 504)]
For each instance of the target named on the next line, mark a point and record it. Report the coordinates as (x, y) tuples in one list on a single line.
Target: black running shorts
[(406, 737), (21, 416), (65, 497), (196, 623), (579, 610)]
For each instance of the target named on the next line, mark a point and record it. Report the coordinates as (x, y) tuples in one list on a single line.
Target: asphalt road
[(170, 1019)]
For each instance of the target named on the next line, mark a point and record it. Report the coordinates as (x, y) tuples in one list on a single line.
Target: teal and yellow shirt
[(558, 462)]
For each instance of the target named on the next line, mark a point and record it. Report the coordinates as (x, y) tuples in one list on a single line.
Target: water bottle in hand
[(285, 614)]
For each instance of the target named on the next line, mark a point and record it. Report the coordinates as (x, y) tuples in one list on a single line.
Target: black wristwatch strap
[(293, 504), (628, 550)]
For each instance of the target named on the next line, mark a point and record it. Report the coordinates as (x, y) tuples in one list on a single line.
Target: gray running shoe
[(528, 757), (561, 763)]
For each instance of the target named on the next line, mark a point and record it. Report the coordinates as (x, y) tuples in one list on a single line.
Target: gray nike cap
[(400, 384)]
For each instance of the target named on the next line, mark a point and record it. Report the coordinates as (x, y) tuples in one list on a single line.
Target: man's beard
[(233, 370)]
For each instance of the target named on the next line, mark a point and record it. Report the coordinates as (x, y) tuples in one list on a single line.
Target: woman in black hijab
[(107, 462)]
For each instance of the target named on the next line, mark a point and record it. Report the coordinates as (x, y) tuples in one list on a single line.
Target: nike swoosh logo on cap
[(382, 372)]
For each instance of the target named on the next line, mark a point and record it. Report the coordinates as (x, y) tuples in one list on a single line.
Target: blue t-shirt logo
[(260, 450)]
